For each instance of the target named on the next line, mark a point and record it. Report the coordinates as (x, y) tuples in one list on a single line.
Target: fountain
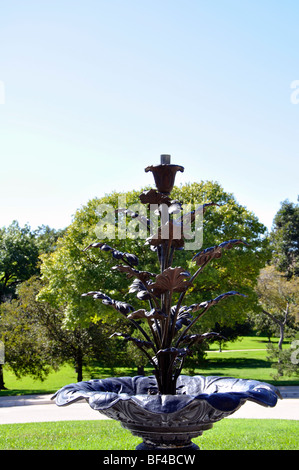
[(168, 409)]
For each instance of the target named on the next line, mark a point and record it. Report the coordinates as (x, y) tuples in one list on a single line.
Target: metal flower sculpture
[(167, 409)]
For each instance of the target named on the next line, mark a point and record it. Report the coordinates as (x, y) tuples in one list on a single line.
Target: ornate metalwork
[(164, 174), (168, 409), (168, 421)]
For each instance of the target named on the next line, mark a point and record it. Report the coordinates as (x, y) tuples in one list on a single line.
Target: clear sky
[(93, 91)]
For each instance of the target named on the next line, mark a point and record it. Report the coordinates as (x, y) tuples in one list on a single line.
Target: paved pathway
[(40, 408)]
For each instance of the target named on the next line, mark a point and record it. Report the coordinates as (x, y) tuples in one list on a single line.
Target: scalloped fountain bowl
[(168, 421)]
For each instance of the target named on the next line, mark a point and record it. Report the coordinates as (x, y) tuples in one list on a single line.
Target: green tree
[(71, 270), (284, 361), (263, 325), (18, 258), (46, 238), (279, 300), (278, 288), (20, 248), (28, 350), (230, 333), (36, 340), (285, 239)]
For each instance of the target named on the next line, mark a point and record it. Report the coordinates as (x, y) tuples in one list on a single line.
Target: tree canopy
[(18, 258), (20, 248), (285, 239), (279, 299), (71, 270), (36, 340), (277, 288)]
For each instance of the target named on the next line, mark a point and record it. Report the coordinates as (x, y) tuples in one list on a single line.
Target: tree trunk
[(79, 367), (140, 370), (281, 337), (2, 387), (281, 327)]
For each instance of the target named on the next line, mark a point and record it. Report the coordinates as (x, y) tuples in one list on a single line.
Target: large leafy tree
[(277, 287), (46, 238), (18, 258), (36, 340), (20, 248), (279, 306), (72, 270), (285, 239), (28, 350), (279, 300)]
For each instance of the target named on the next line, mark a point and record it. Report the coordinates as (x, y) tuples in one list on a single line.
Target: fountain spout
[(164, 174)]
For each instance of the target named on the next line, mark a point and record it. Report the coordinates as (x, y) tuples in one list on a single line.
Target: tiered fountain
[(167, 410)]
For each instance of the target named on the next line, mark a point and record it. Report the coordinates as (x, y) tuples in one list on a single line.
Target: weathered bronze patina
[(167, 409)]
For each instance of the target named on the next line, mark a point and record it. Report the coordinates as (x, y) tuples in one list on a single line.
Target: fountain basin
[(168, 421)]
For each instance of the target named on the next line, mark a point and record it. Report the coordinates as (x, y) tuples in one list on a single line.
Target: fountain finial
[(164, 174)]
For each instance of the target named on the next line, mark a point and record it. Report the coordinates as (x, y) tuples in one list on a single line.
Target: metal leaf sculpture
[(143, 276), (168, 319), (154, 314), (134, 215), (171, 279), (120, 306), (140, 287), (183, 318), (126, 257), (140, 343), (167, 409), (190, 216), (204, 256)]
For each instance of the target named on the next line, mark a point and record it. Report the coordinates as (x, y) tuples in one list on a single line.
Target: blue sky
[(94, 91)]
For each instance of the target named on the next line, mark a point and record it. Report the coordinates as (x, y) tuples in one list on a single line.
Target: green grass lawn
[(247, 342), (245, 365), (245, 358), (228, 434), (242, 359), (55, 380)]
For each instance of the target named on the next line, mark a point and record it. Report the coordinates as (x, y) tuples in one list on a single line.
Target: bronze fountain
[(168, 409)]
